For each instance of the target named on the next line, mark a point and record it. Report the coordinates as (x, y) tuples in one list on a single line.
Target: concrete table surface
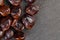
[(47, 25)]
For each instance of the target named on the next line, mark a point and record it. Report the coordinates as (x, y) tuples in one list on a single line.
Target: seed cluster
[(12, 23)]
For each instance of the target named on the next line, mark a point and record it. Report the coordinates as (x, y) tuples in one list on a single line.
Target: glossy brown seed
[(16, 12), (17, 25), (30, 1), (9, 33), (32, 9), (5, 23), (1, 2), (0, 16), (6, 38), (28, 21), (19, 36), (1, 33), (15, 2), (4, 10)]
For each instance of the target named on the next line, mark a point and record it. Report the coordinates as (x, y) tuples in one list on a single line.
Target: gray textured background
[(47, 25)]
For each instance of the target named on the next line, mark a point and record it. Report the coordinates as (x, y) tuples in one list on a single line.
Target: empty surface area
[(47, 25)]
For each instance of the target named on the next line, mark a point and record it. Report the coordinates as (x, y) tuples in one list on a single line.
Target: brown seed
[(28, 21), (19, 36), (32, 9), (4, 10), (16, 12), (5, 23), (30, 1), (15, 2), (17, 25), (0, 16), (9, 33), (6, 38), (1, 2), (1, 33)]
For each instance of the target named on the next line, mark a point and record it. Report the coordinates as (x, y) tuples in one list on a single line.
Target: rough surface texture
[(47, 25)]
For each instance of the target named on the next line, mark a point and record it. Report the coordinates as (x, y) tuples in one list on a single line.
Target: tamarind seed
[(17, 25), (32, 9), (4, 10), (1, 2), (19, 36), (30, 1), (15, 2), (9, 33), (16, 12), (5, 23), (28, 22), (1, 33)]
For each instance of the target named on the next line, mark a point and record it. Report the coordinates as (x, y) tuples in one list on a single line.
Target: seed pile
[(12, 23)]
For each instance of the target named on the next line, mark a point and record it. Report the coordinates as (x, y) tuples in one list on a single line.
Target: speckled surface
[(47, 25)]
